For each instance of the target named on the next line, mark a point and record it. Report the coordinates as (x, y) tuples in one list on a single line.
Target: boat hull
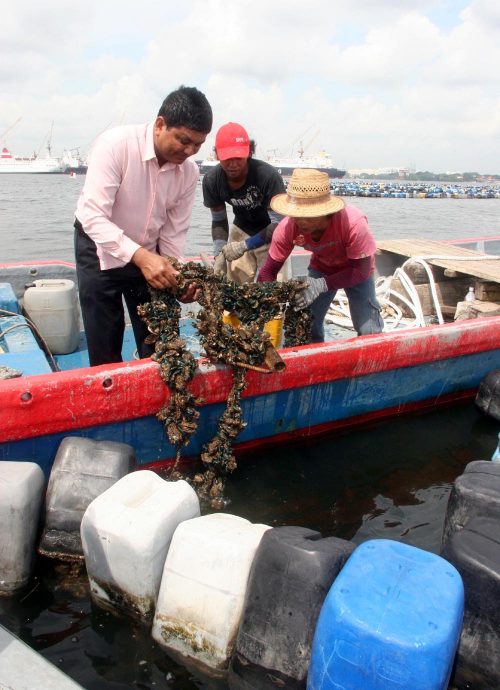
[(323, 388)]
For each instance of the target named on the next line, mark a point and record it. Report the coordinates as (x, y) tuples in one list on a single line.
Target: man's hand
[(157, 270), (315, 286), (190, 295), (234, 250)]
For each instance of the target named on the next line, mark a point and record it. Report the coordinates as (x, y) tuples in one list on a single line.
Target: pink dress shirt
[(128, 201)]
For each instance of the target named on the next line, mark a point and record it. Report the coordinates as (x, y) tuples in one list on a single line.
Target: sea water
[(37, 213), (388, 480)]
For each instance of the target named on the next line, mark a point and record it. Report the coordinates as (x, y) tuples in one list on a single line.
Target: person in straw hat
[(342, 248)]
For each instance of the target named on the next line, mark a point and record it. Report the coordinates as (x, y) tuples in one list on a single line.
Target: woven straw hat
[(307, 196)]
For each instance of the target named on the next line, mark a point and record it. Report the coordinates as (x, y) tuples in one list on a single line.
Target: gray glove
[(234, 250), (315, 286)]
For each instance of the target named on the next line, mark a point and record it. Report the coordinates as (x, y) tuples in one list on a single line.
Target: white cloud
[(376, 82)]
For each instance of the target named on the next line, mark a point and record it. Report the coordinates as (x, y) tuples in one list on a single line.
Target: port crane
[(6, 131)]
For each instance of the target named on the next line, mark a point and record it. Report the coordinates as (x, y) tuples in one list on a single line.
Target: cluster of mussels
[(245, 347)]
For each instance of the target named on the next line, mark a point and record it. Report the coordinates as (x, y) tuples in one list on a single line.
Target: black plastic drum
[(475, 553), (291, 575), (475, 493), (488, 394)]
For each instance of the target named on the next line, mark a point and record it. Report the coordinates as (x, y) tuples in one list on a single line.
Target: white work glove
[(315, 286), (234, 250)]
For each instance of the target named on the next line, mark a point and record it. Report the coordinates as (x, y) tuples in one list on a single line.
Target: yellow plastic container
[(273, 327)]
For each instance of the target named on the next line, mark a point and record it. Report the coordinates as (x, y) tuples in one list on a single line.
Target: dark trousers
[(101, 300)]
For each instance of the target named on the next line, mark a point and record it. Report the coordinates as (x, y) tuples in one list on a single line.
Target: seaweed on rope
[(241, 348)]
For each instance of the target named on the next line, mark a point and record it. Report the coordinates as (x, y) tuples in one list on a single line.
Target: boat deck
[(450, 257)]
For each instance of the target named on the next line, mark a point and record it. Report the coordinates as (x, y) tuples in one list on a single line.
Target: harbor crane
[(6, 131)]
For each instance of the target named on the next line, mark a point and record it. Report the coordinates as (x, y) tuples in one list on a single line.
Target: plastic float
[(203, 587), (292, 572), (22, 486), (488, 394), (475, 493), (82, 470), (496, 453), (475, 552), (391, 620), (126, 532)]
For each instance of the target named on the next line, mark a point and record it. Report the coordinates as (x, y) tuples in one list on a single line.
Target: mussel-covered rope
[(254, 304)]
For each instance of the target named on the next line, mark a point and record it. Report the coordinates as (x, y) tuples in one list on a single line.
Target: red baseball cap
[(231, 141)]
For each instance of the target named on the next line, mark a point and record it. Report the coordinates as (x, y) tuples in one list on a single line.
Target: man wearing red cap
[(247, 185)]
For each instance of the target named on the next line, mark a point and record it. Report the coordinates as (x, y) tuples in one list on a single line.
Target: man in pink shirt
[(342, 248), (133, 212)]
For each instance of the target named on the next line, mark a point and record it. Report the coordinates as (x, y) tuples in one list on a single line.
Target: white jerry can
[(203, 588), (52, 304), (126, 532), (22, 487)]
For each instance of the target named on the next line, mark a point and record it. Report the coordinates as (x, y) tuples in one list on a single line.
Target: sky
[(375, 83)]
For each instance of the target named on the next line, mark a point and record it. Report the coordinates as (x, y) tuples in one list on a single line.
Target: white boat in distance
[(320, 161), (74, 162), (286, 165), (32, 164)]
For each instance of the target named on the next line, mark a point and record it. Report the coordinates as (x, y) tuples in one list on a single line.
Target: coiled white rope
[(339, 313)]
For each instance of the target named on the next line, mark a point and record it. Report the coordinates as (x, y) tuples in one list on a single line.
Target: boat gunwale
[(62, 401)]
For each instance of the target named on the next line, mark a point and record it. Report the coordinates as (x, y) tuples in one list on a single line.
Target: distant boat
[(320, 161), (32, 164), (286, 165), (74, 162)]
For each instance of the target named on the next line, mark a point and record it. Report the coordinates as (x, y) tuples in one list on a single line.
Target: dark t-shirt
[(251, 201)]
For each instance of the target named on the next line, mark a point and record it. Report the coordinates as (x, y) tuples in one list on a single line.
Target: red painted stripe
[(37, 262), (48, 403)]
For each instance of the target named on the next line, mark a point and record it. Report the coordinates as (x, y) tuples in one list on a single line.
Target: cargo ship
[(286, 165), (30, 164)]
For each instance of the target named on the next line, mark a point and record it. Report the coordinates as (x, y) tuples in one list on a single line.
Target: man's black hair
[(187, 107)]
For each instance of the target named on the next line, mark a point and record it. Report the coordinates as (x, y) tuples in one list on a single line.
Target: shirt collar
[(149, 149)]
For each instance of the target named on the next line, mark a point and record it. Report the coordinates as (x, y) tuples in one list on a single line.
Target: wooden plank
[(458, 259), (472, 310)]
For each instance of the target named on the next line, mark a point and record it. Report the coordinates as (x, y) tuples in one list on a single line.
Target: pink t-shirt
[(347, 236), (128, 201)]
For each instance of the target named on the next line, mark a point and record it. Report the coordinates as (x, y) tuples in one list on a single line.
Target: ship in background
[(71, 161), (74, 163), (31, 164), (285, 165), (320, 161)]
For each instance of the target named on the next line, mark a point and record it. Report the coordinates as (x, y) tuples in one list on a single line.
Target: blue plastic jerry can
[(391, 621), (496, 455)]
